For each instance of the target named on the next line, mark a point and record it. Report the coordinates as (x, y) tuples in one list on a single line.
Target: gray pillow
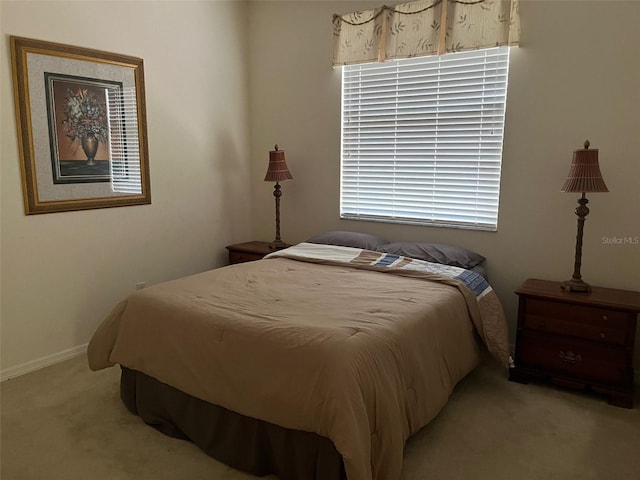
[(435, 252), (349, 239)]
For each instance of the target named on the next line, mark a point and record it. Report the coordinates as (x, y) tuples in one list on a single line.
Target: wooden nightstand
[(248, 252), (577, 340)]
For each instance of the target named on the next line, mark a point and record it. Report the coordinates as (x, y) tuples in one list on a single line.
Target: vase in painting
[(90, 148)]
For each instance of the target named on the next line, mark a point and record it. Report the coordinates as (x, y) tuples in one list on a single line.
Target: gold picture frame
[(82, 129)]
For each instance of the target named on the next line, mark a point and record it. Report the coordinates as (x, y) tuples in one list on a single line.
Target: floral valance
[(413, 29)]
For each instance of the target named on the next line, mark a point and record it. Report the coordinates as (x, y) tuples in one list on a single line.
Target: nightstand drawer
[(248, 251), (604, 334), (580, 314), (241, 257), (574, 358)]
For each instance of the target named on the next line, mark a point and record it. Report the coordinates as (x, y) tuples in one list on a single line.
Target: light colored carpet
[(65, 422)]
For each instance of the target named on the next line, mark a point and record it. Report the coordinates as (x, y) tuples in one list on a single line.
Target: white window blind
[(123, 140), (422, 139)]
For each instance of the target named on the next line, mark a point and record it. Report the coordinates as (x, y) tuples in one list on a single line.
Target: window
[(123, 141), (422, 139)]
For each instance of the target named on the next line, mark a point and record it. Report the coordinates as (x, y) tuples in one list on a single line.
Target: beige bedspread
[(362, 357)]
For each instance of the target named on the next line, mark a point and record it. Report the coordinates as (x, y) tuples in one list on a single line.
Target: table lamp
[(277, 171), (584, 176)]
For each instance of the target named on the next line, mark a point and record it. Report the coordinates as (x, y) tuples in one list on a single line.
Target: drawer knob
[(604, 317), (570, 357), (603, 335)]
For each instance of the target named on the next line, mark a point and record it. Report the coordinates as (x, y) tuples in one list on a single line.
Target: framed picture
[(82, 127)]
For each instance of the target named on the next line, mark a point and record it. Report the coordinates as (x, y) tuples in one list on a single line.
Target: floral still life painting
[(79, 128)]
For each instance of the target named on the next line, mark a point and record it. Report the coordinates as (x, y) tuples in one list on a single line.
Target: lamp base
[(576, 286), (277, 245)]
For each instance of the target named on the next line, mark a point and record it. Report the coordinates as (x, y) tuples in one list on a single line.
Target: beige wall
[(63, 272), (575, 77)]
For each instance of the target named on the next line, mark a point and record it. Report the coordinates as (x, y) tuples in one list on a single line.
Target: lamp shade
[(277, 171), (584, 175)]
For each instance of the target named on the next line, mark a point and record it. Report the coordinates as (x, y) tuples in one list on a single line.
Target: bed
[(318, 362)]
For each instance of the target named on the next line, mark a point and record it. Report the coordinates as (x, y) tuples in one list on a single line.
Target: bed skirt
[(253, 446)]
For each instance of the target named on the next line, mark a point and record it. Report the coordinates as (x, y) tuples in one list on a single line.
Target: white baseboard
[(42, 362)]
